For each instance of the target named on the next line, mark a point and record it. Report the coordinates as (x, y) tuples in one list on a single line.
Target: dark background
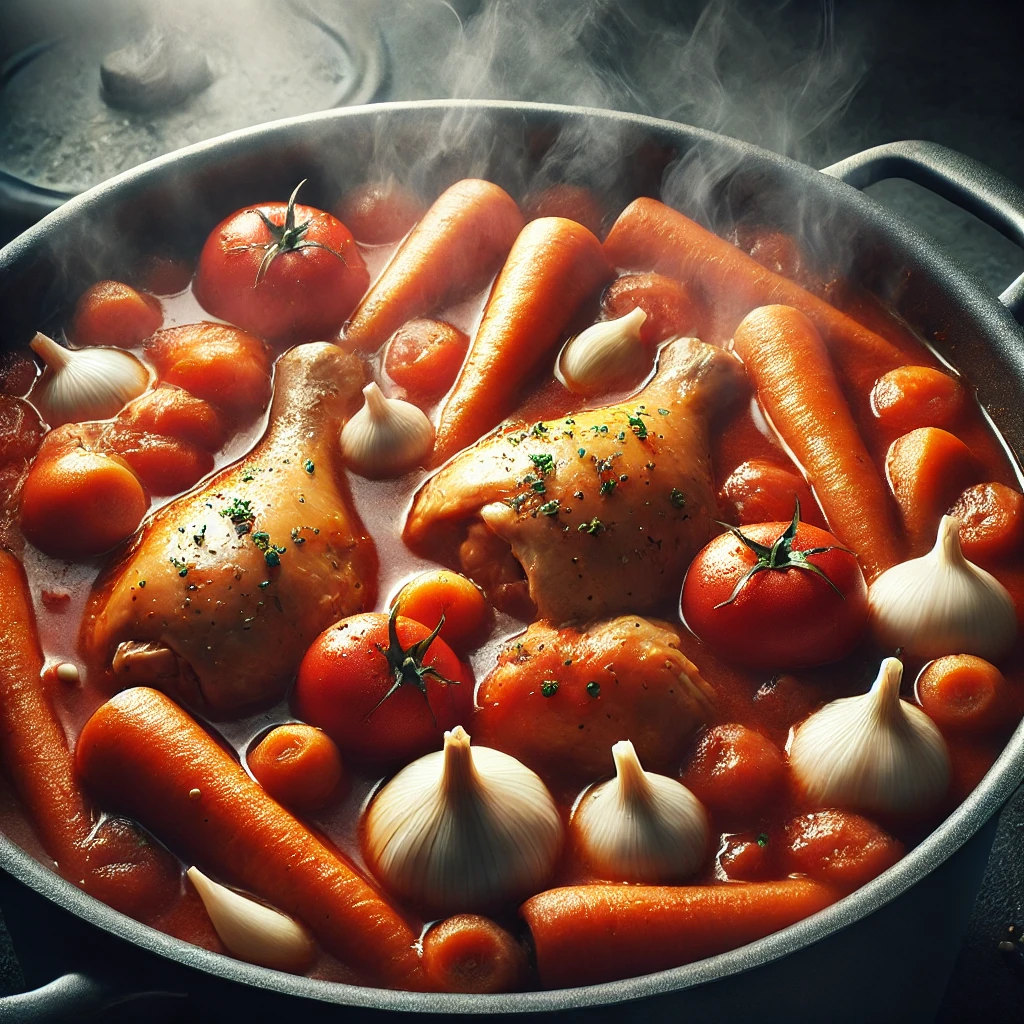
[(815, 82)]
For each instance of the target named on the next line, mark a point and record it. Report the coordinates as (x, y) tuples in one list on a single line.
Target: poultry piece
[(224, 590), (559, 698), (602, 510)]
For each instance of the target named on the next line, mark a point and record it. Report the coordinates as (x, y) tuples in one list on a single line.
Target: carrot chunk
[(469, 953), (758, 491), (424, 357), (916, 396), (991, 523), (927, 469), (965, 694), (671, 309), (587, 934), (112, 313), (379, 212), (298, 765), (797, 387)]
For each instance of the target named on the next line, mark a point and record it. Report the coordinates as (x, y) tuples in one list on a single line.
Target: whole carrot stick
[(797, 387), (554, 266), (114, 864), (587, 934), (454, 251), (649, 235), (143, 755)]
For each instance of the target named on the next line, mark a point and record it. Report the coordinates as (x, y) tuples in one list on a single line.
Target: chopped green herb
[(308, 466), (621, 436), (570, 421), (638, 425), (677, 498), (762, 839), (538, 430), (607, 486), (538, 486), (594, 688), (239, 511), (181, 565), (198, 538), (272, 556), (296, 538), (248, 478), (581, 452), (264, 584), (142, 584), (516, 503), (549, 508), (544, 463), (549, 687), (663, 412), (594, 527)]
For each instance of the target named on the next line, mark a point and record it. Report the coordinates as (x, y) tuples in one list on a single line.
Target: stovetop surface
[(943, 72)]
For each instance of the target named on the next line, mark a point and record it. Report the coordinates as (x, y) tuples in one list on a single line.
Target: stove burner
[(63, 127)]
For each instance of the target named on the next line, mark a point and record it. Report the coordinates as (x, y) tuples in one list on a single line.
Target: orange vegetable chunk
[(671, 309), (758, 491), (469, 953), (438, 592), (425, 356), (962, 693), (112, 313), (916, 396), (298, 765), (991, 523)]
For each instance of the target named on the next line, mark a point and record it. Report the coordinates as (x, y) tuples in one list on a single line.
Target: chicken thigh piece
[(603, 510), (224, 590)]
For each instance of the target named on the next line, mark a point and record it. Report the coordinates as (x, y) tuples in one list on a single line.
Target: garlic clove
[(387, 437), (463, 829), (252, 931), (874, 752), (639, 826), (607, 353), (943, 604), (84, 384)]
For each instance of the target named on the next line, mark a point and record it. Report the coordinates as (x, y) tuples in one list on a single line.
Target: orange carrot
[(553, 268), (651, 236), (454, 251), (991, 523), (299, 766), (143, 755), (916, 396), (586, 934), (964, 694), (469, 953), (928, 469), (797, 387), (114, 864)]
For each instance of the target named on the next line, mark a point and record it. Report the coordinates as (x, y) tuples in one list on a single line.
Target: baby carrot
[(991, 523), (586, 934), (553, 268), (114, 863), (797, 387), (651, 236), (142, 754), (454, 251), (469, 953)]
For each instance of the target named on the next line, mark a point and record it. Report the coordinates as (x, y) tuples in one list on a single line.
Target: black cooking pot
[(881, 953)]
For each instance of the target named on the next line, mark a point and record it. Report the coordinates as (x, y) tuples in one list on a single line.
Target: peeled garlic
[(387, 437), (84, 384), (251, 931), (875, 752), (605, 354), (640, 827), (463, 829), (943, 604)]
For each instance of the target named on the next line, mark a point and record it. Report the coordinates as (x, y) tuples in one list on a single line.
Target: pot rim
[(969, 816)]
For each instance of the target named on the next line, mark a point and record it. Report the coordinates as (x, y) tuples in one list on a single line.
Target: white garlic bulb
[(640, 827), (874, 752), (465, 828), (251, 931), (943, 604), (387, 437), (607, 353), (86, 383)]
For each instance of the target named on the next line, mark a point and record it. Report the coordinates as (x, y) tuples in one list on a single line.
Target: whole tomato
[(383, 687), (284, 272), (776, 595)]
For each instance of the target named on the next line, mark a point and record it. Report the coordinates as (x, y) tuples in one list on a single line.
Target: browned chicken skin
[(226, 587), (604, 509), (559, 698)]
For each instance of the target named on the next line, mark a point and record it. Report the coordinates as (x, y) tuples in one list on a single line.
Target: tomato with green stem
[(285, 272), (383, 687), (776, 595)]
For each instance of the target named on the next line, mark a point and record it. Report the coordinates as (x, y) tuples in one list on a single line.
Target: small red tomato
[(379, 212), (384, 688), (776, 595), (425, 356), (281, 271), (112, 313)]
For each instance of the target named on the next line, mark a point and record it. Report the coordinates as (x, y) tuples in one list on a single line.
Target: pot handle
[(71, 997), (964, 182)]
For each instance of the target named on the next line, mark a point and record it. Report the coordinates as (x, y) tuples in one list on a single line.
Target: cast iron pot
[(881, 953)]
